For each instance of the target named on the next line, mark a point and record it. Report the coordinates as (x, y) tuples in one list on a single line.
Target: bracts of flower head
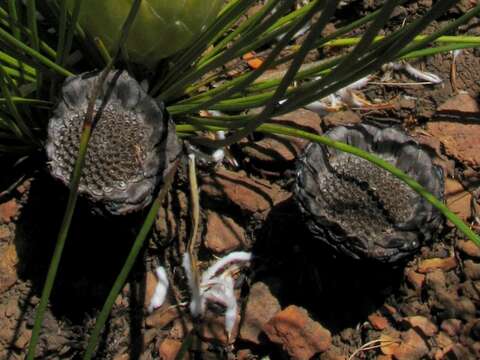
[(216, 285), (133, 144)]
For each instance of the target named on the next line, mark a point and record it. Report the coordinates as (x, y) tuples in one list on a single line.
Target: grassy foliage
[(31, 71)]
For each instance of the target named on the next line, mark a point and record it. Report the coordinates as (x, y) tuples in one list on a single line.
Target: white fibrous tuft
[(222, 263), (216, 285), (160, 293)]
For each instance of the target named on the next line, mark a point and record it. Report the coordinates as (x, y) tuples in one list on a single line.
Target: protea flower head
[(360, 209), (161, 27), (132, 145)]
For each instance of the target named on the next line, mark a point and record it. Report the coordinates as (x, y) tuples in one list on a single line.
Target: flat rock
[(378, 321), (469, 248), (452, 327), (411, 347), (9, 211), (458, 200), (250, 195), (162, 317), (429, 265), (415, 279), (276, 150), (261, 307), (462, 104), (223, 234), (423, 324), (299, 335), (472, 270), (340, 118), (8, 263), (459, 139), (169, 349), (5, 233)]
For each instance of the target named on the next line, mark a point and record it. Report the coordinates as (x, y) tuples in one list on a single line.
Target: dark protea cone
[(132, 146), (360, 209)]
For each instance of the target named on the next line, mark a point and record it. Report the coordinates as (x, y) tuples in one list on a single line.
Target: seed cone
[(132, 145), (360, 209)]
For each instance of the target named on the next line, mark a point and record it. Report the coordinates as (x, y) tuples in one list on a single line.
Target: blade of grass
[(265, 65), (327, 11), (219, 26), (62, 32), (26, 101), (318, 43), (175, 89), (297, 133), (9, 60), (264, 11), (16, 44), (35, 40), (6, 20), (75, 182), (129, 262), (12, 10), (387, 50), (441, 39), (17, 74), (20, 128), (70, 31)]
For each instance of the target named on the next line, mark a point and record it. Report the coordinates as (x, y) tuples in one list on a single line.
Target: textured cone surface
[(361, 209), (131, 146)]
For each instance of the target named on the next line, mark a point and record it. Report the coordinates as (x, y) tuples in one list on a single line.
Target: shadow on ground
[(337, 291)]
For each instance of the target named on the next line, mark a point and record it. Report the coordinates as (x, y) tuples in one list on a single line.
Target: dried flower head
[(133, 144), (361, 209)]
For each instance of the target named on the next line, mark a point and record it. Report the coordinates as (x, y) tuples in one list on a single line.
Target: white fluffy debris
[(416, 73), (344, 96), (224, 262), (207, 157), (160, 293), (216, 285)]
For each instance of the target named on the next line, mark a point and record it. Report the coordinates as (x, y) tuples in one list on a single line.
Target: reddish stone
[(223, 234), (458, 200), (247, 193), (415, 279), (451, 326), (469, 248), (261, 307), (8, 263), (422, 323), (436, 280), (5, 233), (412, 347), (9, 211), (462, 104), (472, 270), (339, 118), (389, 343), (299, 335), (277, 148), (169, 349), (460, 140), (378, 321), (430, 265), (445, 345), (162, 317)]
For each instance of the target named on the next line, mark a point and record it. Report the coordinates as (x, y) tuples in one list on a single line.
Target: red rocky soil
[(298, 300)]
